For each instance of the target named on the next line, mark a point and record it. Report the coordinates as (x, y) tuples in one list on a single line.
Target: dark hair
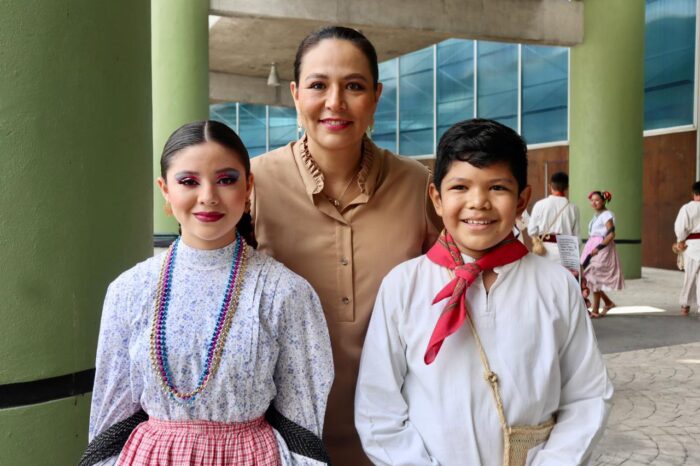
[(696, 188), (560, 181), (606, 196), (200, 132), (481, 143), (341, 33)]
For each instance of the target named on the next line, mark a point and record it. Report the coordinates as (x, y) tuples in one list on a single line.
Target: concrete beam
[(547, 22), (225, 87)]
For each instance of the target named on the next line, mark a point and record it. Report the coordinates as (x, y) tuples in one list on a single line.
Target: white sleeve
[(304, 370), (682, 224), (381, 412), (112, 399), (586, 393), (533, 225)]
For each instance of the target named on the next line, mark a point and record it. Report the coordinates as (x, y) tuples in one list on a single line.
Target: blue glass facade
[(455, 83), (522, 86), (385, 120), (283, 126), (545, 72), (669, 63), (416, 103), (497, 82)]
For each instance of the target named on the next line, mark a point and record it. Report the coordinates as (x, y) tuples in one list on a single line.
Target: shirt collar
[(313, 179)]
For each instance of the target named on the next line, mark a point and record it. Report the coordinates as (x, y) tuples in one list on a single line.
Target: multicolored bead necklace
[(159, 352)]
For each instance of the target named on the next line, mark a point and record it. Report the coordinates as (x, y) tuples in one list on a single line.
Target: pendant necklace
[(336, 201)]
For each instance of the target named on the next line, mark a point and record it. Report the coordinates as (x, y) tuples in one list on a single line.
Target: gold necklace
[(337, 201)]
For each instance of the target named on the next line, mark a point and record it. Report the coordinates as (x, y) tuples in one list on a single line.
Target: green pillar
[(75, 210), (180, 63), (607, 119)]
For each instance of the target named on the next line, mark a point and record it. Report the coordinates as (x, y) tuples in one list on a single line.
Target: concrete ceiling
[(247, 46), (251, 34)]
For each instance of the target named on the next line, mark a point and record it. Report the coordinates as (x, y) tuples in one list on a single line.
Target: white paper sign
[(569, 252)]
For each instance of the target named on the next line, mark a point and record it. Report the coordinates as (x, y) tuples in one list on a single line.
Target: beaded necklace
[(158, 350)]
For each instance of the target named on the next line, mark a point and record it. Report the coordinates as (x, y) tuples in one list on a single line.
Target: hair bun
[(607, 196)]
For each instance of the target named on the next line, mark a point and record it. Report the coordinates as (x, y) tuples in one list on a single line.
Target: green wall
[(47, 434), (180, 44), (607, 111), (75, 145)]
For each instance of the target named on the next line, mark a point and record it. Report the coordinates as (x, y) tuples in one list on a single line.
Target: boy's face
[(479, 205)]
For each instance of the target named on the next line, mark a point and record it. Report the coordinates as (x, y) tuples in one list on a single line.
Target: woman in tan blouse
[(338, 210)]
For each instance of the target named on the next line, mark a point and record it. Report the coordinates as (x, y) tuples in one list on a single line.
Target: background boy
[(554, 215), (687, 228), (421, 397)]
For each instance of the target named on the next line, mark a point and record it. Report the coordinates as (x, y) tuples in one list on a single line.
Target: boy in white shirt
[(687, 229), (478, 336), (554, 215)]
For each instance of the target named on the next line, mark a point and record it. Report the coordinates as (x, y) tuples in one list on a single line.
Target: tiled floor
[(653, 357)]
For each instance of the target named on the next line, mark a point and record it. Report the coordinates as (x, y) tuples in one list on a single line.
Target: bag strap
[(556, 217), (489, 375)]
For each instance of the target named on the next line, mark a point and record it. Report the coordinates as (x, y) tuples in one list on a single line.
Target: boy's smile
[(479, 205)]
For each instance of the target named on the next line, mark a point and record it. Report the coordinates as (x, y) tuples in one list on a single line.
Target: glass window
[(225, 113), (416, 103), (497, 82), (544, 94), (669, 60), (252, 128), (283, 126), (384, 134), (455, 83)]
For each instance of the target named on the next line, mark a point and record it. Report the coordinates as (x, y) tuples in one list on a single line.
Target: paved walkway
[(653, 357)]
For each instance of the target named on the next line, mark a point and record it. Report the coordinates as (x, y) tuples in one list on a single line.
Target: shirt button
[(344, 261), (345, 300)]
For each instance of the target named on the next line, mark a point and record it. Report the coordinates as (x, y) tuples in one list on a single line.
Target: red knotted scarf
[(446, 253)]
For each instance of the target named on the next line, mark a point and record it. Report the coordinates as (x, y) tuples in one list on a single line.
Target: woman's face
[(207, 188), (335, 97), (597, 202)]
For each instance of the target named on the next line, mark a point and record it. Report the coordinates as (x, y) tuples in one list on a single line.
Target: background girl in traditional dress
[(600, 261)]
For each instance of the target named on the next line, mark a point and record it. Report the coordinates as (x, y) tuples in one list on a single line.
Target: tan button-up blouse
[(344, 255)]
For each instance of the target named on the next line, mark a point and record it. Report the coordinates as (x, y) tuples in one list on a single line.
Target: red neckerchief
[(446, 253), (558, 194)]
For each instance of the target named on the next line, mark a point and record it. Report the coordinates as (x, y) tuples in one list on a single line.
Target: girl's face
[(597, 202), (335, 97), (206, 186)]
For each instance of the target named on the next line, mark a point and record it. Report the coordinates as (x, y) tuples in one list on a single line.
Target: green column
[(180, 47), (75, 210), (607, 118)]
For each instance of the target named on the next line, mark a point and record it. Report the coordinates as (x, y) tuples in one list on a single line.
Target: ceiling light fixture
[(273, 80)]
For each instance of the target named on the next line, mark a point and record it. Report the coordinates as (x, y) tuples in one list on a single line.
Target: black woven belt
[(111, 442)]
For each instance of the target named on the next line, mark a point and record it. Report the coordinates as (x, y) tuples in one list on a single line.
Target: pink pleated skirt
[(201, 443), (604, 272)]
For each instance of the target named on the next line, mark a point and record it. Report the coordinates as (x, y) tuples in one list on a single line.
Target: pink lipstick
[(208, 216)]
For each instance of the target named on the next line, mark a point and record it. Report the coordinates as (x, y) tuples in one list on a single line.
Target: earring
[(167, 208), (247, 206), (299, 127), (369, 131)]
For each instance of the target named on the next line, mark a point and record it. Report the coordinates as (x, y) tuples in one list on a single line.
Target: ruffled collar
[(364, 180), (204, 258)]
